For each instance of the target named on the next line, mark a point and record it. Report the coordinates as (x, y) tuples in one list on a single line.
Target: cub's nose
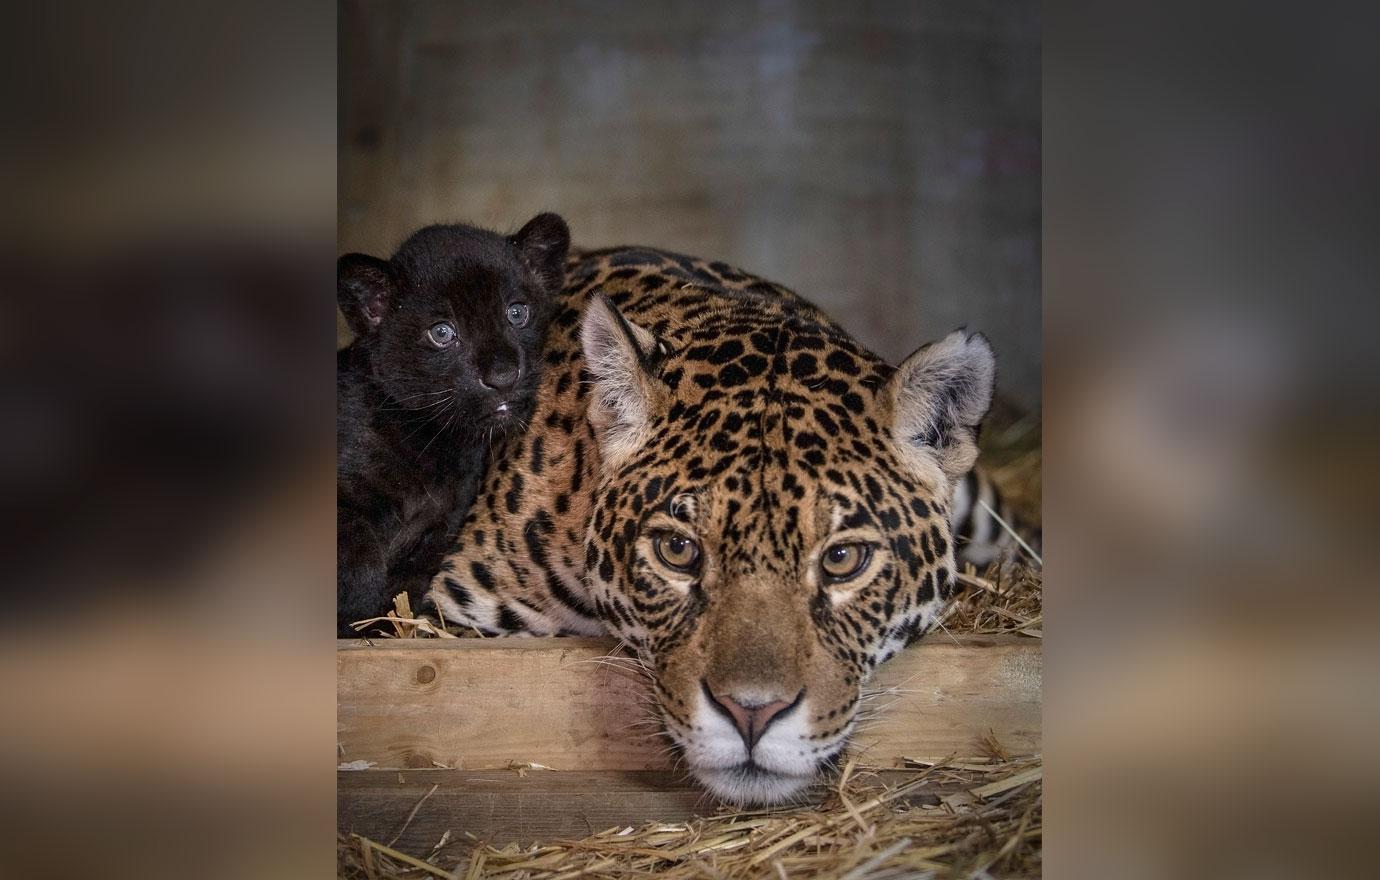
[(751, 717), (501, 376)]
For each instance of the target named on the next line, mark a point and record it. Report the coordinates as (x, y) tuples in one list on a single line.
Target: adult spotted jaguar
[(719, 474)]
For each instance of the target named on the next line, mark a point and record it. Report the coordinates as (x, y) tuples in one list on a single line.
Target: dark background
[(883, 159)]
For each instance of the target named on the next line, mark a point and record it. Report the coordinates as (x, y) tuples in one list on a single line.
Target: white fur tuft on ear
[(621, 402), (942, 392)]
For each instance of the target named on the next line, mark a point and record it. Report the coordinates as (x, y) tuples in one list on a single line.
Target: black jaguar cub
[(444, 364)]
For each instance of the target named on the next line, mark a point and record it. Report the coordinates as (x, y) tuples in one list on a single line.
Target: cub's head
[(772, 524), (454, 321)]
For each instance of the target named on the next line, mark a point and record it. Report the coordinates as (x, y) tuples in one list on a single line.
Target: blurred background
[(167, 483), (1210, 428), (882, 159)]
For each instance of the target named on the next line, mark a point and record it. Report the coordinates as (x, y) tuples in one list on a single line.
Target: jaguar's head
[(772, 524)]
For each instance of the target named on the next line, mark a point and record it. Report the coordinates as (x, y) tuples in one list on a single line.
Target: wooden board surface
[(484, 704), (499, 806)]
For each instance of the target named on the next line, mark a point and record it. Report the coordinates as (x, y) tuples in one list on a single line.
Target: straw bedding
[(970, 816), (958, 820)]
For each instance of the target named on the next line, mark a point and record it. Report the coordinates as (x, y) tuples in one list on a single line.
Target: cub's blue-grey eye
[(441, 334), (518, 313)]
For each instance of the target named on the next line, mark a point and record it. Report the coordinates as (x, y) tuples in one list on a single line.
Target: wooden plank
[(499, 806), (483, 704)]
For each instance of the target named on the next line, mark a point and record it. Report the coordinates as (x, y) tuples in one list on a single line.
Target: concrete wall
[(882, 159)]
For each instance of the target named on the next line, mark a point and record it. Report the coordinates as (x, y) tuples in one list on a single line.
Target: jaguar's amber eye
[(676, 551), (843, 561)]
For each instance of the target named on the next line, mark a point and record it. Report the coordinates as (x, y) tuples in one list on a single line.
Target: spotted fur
[(687, 397)]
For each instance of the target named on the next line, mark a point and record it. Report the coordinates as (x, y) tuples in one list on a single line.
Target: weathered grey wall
[(881, 158)]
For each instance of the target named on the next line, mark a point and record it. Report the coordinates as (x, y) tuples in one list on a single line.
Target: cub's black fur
[(444, 365)]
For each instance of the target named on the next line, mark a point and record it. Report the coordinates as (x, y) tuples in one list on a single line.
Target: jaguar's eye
[(676, 551), (518, 313), (844, 561), (441, 334)]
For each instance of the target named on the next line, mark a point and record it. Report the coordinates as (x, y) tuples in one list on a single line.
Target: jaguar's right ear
[(940, 395), (619, 357), (365, 289)]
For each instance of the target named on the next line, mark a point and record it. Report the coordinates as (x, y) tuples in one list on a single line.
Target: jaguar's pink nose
[(750, 717)]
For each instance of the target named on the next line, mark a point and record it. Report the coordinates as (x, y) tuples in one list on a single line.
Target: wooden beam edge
[(605, 645)]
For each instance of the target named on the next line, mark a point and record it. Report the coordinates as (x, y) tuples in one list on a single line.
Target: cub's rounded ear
[(942, 392), (365, 289), (542, 244)]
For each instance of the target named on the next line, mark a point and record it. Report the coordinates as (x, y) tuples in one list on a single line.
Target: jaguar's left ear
[(941, 394), (620, 357)]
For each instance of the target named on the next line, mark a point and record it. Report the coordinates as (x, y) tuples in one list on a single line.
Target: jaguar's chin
[(749, 785)]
